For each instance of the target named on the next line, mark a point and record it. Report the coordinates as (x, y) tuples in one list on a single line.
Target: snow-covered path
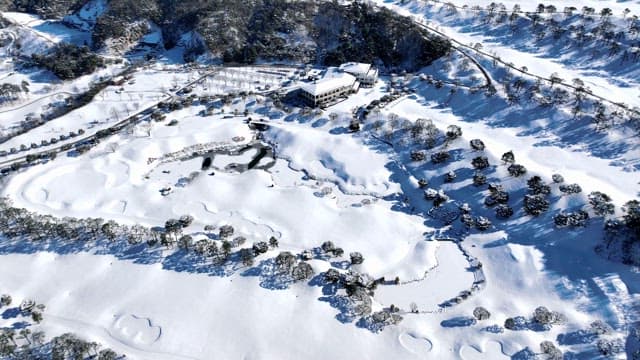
[(613, 88)]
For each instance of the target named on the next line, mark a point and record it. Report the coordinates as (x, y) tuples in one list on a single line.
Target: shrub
[(273, 242), (508, 157), (422, 183), (515, 323), (552, 352), (570, 189), (573, 219), (482, 223), (238, 241), (440, 199), (5, 300), (480, 162), (302, 271), (306, 255), (356, 258), (516, 170), (285, 262), (328, 246), (440, 157), (601, 203), (632, 216), (430, 194), (610, 347), (504, 211), (467, 220), (557, 178), (481, 313), (225, 231), (247, 255), (477, 144), (465, 208), (599, 327), (185, 242), (450, 176), (537, 186), (543, 316), (497, 196), (185, 220), (332, 276), (535, 204), (107, 354), (453, 132), (417, 155), (479, 179)]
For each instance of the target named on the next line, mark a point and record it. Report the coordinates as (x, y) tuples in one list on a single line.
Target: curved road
[(38, 99), (520, 70), (117, 126)]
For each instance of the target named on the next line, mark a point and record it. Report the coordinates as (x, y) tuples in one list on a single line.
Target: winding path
[(131, 119), (458, 45)]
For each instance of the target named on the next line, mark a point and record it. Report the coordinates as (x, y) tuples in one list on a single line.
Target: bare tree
[(114, 113)]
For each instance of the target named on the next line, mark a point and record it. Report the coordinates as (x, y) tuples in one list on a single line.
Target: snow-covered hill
[(383, 226)]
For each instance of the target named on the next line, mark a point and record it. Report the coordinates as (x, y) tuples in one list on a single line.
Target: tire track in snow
[(107, 338)]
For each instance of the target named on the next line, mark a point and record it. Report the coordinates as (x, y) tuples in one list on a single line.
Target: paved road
[(38, 99), (117, 126), (459, 46)]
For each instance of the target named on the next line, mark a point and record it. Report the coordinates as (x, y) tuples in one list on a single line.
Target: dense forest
[(243, 31), (45, 8), (69, 61)]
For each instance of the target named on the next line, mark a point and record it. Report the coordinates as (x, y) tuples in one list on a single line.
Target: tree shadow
[(343, 304), (460, 321), (11, 313)]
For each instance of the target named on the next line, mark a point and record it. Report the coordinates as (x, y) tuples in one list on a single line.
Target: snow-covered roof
[(356, 68), (333, 79)]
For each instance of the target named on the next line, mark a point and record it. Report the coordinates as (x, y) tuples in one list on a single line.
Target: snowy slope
[(360, 190)]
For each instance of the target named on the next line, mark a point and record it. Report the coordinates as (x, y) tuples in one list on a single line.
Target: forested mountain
[(45, 8), (243, 31)]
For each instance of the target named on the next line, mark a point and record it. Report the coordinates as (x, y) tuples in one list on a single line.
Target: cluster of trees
[(365, 34), (580, 29), (622, 230), (20, 344), (542, 317), (8, 338), (28, 343), (424, 132), (574, 93), (11, 92), (385, 317), (57, 109), (622, 235), (358, 287), (69, 346), (69, 61)]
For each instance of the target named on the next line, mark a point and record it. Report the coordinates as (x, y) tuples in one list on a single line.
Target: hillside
[(301, 31), (251, 30), (472, 195)]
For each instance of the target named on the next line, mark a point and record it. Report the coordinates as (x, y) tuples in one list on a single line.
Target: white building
[(366, 74), (332, 86)]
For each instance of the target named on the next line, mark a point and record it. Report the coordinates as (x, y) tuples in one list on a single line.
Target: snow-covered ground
[(359, 190)]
